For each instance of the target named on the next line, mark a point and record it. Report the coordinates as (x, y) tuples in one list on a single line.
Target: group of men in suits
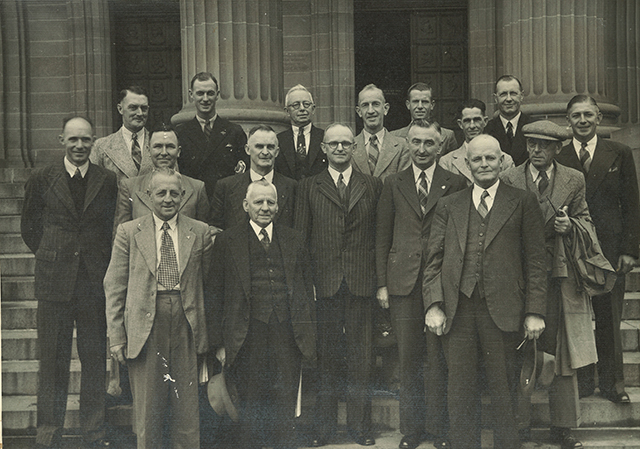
[(378, 220)]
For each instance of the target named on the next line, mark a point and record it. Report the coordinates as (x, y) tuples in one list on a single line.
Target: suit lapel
[(460, 217), (186, 239), (560, 192), (240, 244), (314, 145), (288, 256), (387, 153), (95, 179), (360, 158), (328, 188), (503, 206), (60, 186), (141, 191), (120, 154), (146, 243), (147, 164), (407, 188), (356, 189), (603, 158), (188, 192), (439, 185), (290, 156)]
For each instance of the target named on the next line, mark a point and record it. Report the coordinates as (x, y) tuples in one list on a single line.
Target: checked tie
[(265, 239), (483, 210), (423, 191), (168, 274), (585, 157), (136, 152)]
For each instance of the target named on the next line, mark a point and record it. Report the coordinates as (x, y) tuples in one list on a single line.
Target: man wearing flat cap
[(560, 192)]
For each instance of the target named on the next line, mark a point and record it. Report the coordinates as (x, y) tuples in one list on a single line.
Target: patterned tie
[(77, 175), (168, 274), (483, 210), (509, 130), (423, 191), (265, 239), (342, 190), (301, 146), (136, 153), (373, 153), (585, 157), (207, 128), (543, 182)]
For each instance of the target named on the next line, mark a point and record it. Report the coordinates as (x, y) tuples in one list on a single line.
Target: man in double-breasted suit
[(612, 196), (301, 155), (405, 212), (67, 220), (126, 151), (155, 290), (263, 317), (377, 152), (507, 126), (212, 147), (228, 196), (484, 281), (336, 211), (133, 196)]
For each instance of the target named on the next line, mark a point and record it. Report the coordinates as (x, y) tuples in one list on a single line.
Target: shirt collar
[(335, 174), (379, 135), (306, 129), (203, 122), (71, 169), (591, 145), (257, 229), (255, 176), (477, 190), (428, 173), (173, 222), (514, 122), (535, 172)]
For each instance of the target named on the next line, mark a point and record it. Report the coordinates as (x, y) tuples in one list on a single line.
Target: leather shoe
[(410, 442), (102, 442), (441, 443), (363, 439), (563, 436), (617, 398)]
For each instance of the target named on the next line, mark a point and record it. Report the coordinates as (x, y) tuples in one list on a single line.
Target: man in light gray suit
[(377, 152), (155, 303), (126, 152)]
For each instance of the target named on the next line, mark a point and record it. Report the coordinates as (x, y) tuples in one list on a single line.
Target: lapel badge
[(223, 132), (443, 187)]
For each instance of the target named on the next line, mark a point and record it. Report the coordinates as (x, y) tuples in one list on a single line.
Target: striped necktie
[(373, 153), (483, 210), (423, 192), (585, 157), (136, 152)]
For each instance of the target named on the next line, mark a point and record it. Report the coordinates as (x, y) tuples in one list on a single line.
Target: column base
[(245, 115)]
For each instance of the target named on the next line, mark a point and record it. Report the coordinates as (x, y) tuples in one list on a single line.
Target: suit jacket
[(455, 163), (226, 206), (612, 196), (131, 282), (112, 153), (342, 243), (449, 142), (402, 232), (60, 237), (316, 160), (517, 148), (213, 159), (134, 202), (393, 157), (514, 273), (230, 271)]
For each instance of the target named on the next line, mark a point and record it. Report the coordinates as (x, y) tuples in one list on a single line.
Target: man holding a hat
[(569, 238)]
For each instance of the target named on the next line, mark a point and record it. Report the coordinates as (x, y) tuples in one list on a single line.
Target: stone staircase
[(605, 425)]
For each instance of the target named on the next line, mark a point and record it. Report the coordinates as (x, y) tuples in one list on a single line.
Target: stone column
[(240, 43)]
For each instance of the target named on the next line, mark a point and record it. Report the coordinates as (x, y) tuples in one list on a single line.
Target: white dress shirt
[(513, 121), (367, 139), (428, 173), (535, 174), (346, 175), (258, 229), (203, 122), (476, 195), (591, 146), (255, 176), (306, 131), (71, 169), (128, 138)]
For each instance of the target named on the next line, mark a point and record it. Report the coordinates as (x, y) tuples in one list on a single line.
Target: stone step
[(11, 190), (12, 243), (632, 280), (20, 264), (630, 333), (631, 368), (19, 315), (22, 344), (9, 224), (631, 306), (17, 288), (11, 206), (20, 377)]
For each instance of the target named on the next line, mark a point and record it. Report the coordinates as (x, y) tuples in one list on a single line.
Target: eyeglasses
[(333, 145), (297, 105)]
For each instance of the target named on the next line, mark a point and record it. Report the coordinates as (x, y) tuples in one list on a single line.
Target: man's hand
[(117, 351), (383, 297), (625, 263), (221, 355), (562, 223), (435, 319), (533, 326)]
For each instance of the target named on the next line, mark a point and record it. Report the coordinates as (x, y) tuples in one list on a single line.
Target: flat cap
[(546, 130)]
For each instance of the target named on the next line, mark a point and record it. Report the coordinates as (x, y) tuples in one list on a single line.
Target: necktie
[(543, 182), (342, 189), (168, 274), (585, 157), (483, 210), (423, 191), (265, 239), (509, 130), (373, 153), (77, 175), (207, 128), (301, 145), (136, 153)]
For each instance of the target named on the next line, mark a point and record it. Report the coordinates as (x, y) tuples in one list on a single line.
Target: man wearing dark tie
[(612, 196), (336, 212), (126, 152), (377, 152), (507, 126), (405, 212), (212, 147), (262, 323), (227, 208), (67, 222), (301, 155), (484, 284), (155, 290)]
